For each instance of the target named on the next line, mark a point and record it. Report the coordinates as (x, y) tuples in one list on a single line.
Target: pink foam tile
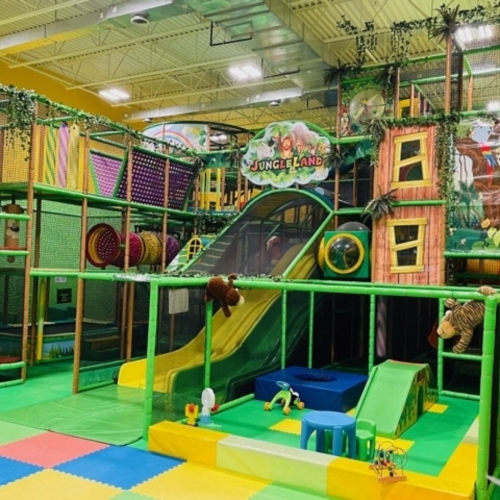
[(49, 449)]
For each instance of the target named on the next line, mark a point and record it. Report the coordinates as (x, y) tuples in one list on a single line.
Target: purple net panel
[(148, 179), (106, 171), (180, 179)]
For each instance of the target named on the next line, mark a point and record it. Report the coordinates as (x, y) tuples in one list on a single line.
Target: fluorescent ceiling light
[(246, 72), (466, 34), (114, 95), (251, 71), (238, 73)]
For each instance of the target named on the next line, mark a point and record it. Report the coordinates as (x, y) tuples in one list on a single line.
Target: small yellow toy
[(191, 412)]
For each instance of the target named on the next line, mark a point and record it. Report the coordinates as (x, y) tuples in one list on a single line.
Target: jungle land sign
[(286, 153)]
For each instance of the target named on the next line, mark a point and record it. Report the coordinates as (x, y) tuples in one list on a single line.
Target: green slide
[(395, 395)]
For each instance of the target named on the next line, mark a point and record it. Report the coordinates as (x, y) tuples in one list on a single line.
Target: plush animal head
[(461, 319), (224, 292)]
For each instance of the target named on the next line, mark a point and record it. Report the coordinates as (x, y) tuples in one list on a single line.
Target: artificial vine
[(366, 40), (21, 114), (381, 206)]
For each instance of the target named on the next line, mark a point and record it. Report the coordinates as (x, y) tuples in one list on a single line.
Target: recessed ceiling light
[(114, 95)]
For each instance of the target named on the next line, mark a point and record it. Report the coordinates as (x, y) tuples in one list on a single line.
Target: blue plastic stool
[(336, 422)]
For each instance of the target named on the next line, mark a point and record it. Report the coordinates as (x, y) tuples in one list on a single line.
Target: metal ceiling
[(177, 64)]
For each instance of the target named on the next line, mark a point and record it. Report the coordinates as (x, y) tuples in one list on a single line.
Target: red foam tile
[(49, 449)]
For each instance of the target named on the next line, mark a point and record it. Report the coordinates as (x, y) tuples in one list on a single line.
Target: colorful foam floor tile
[(287, 425), (49, 449), (120, 467), (209, 484), (57, 486), (438, 408), (12, 470)]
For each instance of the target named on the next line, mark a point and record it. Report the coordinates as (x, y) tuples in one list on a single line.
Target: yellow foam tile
[(57, 486), (404, 444), (287, 425), (462, 465), (438, 408), (352, 480), (351, 412), (209, 484), (186, 442), (277, 463)]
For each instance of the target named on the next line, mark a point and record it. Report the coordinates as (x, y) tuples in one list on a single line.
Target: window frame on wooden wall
[(419, 243), (423, 158)]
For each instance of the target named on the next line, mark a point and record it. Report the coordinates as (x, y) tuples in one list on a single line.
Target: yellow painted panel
[(197, 482), (353, 480), (183, 441), (57, 486), (273, 462)]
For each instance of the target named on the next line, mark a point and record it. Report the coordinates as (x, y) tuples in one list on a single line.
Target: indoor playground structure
[(348, 246)]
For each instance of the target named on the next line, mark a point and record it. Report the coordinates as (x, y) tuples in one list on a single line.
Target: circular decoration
[(173, 248), (135, 253), (366, 105), (344, 253), (152, 248), (102, 245)]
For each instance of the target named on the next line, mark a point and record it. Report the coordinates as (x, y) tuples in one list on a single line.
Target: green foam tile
[(276, 492), (13, 432)]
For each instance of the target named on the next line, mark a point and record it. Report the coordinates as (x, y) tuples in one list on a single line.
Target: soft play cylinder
[(12, 228)]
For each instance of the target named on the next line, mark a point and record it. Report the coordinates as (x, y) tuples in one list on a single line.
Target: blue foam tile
[(12, 470), (123, 467)]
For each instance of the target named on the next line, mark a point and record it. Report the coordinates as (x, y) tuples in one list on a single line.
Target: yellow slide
[(227, 334)]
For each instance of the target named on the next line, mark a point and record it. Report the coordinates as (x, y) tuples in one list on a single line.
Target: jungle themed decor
[(474, 215), (287, 153)]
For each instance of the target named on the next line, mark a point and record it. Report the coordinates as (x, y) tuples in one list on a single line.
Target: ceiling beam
[(214, 106), (40, 12), (192, 29), (161, 72), (203, 91), (78, 26)]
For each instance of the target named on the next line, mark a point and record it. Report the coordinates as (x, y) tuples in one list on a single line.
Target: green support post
[(208, 343), (150, 367), (284, 298), (485, 402), (440, 349), (311, 331), (372, 334)]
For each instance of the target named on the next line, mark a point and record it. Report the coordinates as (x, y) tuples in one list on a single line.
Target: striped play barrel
[(152, 248)]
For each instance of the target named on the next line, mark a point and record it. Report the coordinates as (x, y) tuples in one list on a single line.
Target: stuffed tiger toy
[(461, 319)]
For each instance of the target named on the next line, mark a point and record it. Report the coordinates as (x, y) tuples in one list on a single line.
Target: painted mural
[(474, 214), (286, 153), (186, 135)]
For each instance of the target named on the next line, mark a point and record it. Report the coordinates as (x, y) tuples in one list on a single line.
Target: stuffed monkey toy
[(224, 292)]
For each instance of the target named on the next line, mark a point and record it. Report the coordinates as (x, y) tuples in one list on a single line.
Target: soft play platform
[(319, 389)]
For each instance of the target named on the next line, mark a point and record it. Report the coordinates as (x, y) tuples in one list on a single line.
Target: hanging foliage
[(376, 129), (381, 206), (20, 109), (366, 39)]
